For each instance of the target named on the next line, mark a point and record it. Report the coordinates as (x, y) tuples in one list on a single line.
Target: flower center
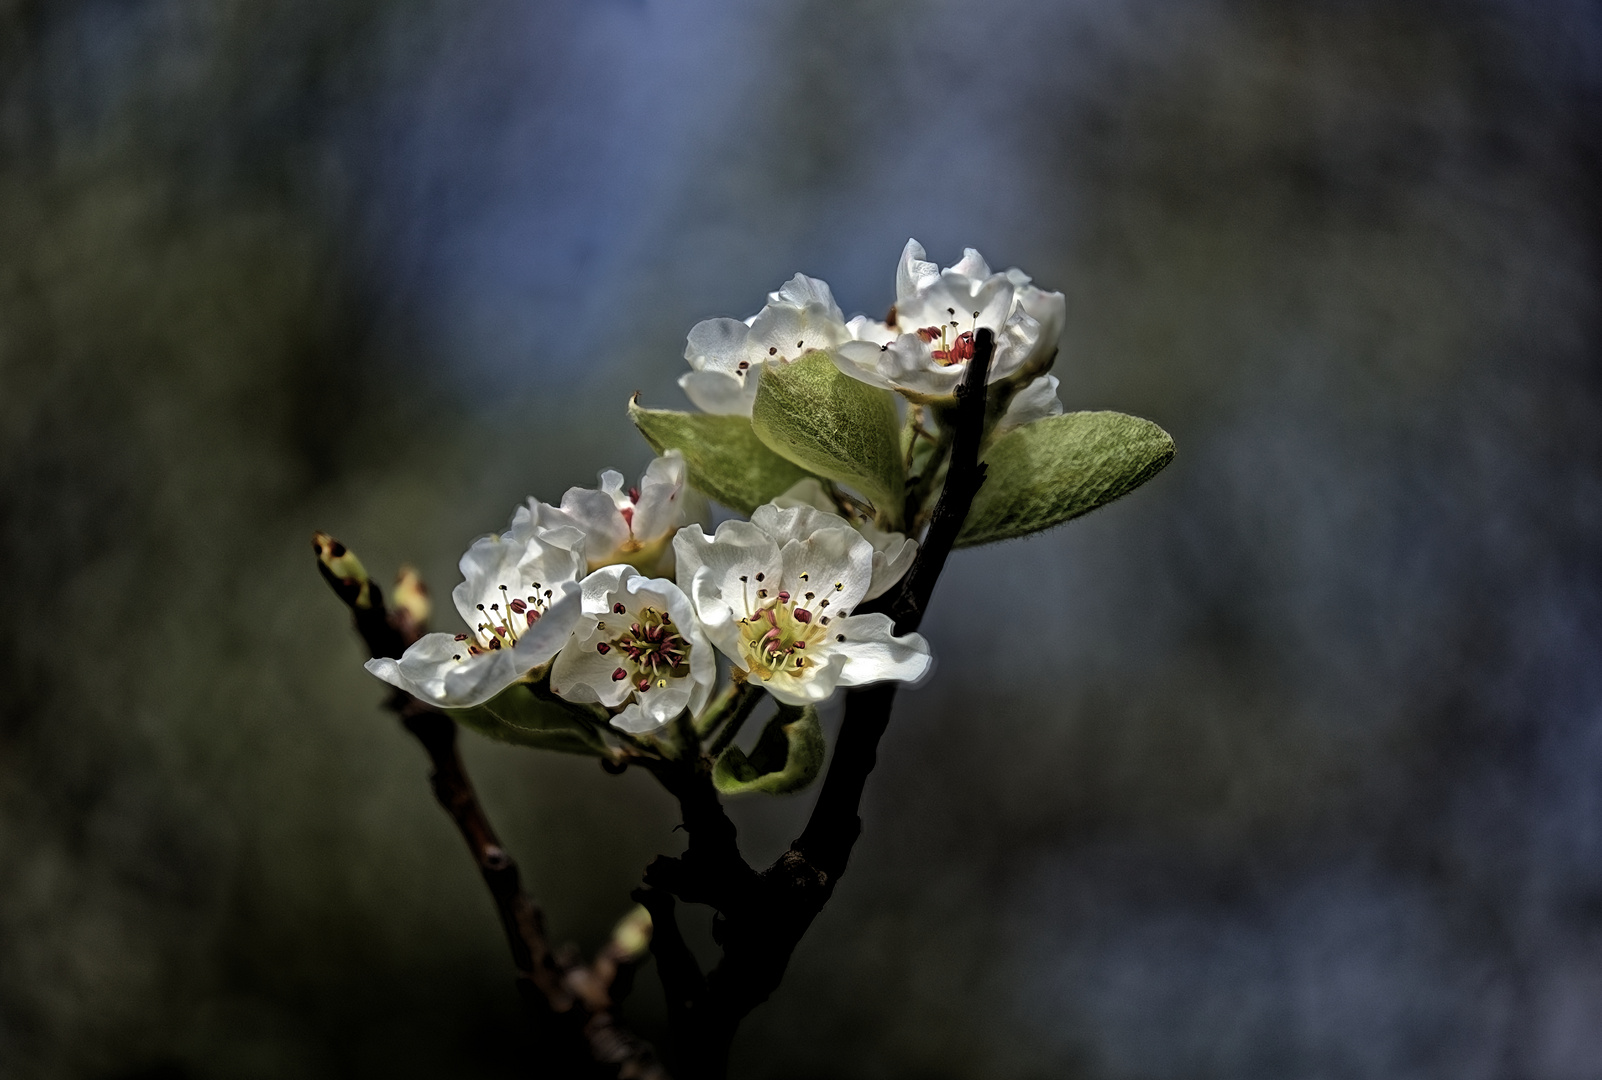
[(505, 620), (954, 348), (782, 633), (653, 647)]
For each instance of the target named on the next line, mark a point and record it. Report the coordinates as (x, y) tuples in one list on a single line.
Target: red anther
[(619, 675), (518, 606), (634, 495), (644, 684), (929, 333), (784, 597), (803, 615), (461, 637), (636, 628), (603, 648), (963, 348), (533, 616), (618, 608), (495, 643)]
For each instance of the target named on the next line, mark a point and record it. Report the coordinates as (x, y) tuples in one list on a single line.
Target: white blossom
[(892, 552), (520, 598), (637, 645), (775, 595), (635, 526), (922, 350), (727, 355)]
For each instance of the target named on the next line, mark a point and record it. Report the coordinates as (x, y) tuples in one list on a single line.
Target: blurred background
[(1287, 766)]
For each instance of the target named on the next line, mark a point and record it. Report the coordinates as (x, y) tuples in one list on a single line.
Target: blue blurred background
[(1289, 765)]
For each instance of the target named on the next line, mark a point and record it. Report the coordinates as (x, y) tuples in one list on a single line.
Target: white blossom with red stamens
[(922, 351), (775, 594), (633, 526), (520, 598), (637, 648)]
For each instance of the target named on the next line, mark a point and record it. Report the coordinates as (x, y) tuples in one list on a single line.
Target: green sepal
[(1048, 471), (518, 715), (722, 454), (814, 414), (787, 757)]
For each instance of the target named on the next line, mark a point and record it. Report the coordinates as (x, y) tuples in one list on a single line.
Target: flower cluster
[(617, 601), (919, 352), (561, 597)]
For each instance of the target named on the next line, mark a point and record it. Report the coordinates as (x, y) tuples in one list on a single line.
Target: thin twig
[(577, 1034)]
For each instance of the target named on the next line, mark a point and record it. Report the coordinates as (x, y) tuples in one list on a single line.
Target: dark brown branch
[(762, 917), (569, 1005), (907, 603)]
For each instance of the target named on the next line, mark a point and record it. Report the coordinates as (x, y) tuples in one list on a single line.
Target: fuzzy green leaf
[(724, 457), (516, 715), (787, 757), (1051, 470), (812, 413)]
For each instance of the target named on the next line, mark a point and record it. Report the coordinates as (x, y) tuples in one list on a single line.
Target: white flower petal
[(738, 548), (782, 332), (662, 506), (893, 555), (716, 345), (720, 393), (873, 653), (862, 360), (583, 673), (635, 720), (596, 513), (808, 492), (816, 685), (913, 272), (1034, 402), (802, 291), (862, 328), (972, 264), (421, 670), (1048, 309)]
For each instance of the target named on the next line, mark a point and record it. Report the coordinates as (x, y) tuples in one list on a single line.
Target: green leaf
[(1051, 470), (516, 715), (724, 457), (812, 413), (787, 757)]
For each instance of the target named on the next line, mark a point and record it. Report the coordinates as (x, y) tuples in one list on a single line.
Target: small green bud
[(343, 570), (631, 937)]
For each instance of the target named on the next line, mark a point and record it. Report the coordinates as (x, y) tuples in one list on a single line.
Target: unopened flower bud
[(343, 570), (410, 604)]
